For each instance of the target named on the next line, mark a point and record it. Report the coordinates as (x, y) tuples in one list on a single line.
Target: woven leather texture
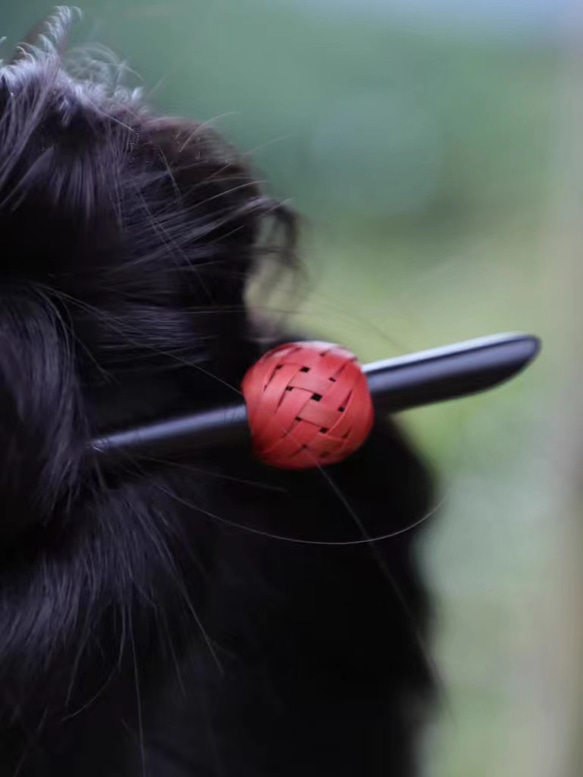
[(308, 405)]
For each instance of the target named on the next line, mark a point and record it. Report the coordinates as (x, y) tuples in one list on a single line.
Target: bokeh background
[(434, 148)]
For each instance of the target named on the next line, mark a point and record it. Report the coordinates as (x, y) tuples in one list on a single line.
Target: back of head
[(127, 241)]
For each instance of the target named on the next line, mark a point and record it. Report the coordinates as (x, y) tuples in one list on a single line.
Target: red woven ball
[(308, 405)]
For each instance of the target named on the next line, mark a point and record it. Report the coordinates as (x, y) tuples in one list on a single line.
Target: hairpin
[(310, 404)]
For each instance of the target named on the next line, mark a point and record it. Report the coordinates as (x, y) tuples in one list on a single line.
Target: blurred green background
[(429, 148)]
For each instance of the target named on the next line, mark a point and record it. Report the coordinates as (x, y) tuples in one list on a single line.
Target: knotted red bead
[(308, 405)]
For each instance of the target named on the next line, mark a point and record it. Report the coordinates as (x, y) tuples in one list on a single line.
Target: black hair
[(207, 616)]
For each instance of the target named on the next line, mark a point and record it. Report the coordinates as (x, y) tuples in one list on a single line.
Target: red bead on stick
[(308, 405)]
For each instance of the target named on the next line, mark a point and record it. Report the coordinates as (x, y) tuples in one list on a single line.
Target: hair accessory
[(394, 384), (308, 404)]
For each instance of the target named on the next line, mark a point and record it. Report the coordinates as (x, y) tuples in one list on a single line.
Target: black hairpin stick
[(395, 384)]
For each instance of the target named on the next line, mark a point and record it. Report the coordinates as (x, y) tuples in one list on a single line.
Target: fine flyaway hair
[(202, 616)]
